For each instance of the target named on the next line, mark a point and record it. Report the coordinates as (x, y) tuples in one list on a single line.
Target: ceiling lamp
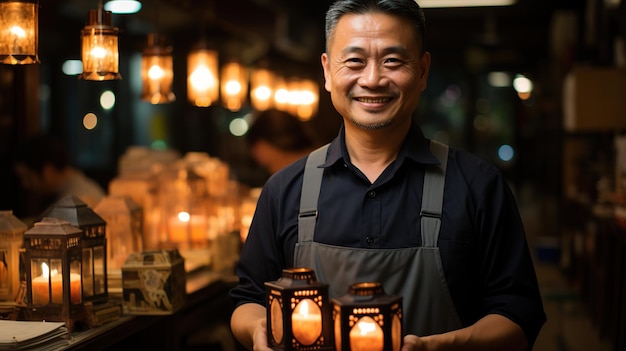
[(464, 3), (123, 7), (19, 32), (234, 85), (261, 88), (157, 71), (100, 53), (307, 98), (202, 76)]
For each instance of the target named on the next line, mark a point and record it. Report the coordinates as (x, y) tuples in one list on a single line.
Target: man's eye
[(354, 62), (392, 62)]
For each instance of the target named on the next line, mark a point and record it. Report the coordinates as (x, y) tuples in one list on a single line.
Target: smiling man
[(433, 224)]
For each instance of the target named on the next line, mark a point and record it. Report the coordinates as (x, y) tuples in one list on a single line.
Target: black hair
[(408, 9)]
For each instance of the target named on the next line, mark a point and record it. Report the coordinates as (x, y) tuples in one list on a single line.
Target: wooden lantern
[(11, 240), (298, 312), (53, 261), (93, 244), (366, 319)]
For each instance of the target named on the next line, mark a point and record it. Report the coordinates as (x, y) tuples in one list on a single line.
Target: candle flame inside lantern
[(46, 273)]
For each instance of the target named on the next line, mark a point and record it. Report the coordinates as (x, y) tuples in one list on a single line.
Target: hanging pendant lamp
[(100, 53), (157, 71)]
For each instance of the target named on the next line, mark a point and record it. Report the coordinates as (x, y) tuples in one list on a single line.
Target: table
[(207, 307)]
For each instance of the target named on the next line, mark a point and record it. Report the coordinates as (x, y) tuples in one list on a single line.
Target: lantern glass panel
[(277, 321), (306, 321), (366, 335), (18, 32), (98, 271), (88, 272), (157, 75)]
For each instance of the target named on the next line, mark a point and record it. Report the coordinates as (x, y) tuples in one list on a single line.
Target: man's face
[(373, 69)]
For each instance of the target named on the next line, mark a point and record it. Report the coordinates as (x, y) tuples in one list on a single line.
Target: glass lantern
[(53, 263), (19, 32), (100, 52), (233, 85), (11, 240), (202, 76), (124, 218), (157, 73), (298, 312), (367, 319), (93, 244)]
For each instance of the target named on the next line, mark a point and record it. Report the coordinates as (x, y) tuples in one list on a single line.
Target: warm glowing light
[(156, 72), (522, 84), (18, 31), (184, 216), (90, 121), (262, 93), (202, 82), (100, 54), (234, 85), (261, 88)]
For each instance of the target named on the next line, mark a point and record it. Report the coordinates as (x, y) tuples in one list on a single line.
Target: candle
[(306, 324), (366, 336), (41, 284)]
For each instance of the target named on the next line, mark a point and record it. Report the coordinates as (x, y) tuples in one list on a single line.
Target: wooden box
[(153, 282)]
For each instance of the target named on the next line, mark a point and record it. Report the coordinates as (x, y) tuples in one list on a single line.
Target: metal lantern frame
[(57, 244), (93, 244), (367, 302), (297, 286), (157, 71)]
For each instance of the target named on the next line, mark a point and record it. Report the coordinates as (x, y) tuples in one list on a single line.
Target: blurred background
[(535, 86)]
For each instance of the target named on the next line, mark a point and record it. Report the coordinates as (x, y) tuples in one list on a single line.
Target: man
[(462, 267)]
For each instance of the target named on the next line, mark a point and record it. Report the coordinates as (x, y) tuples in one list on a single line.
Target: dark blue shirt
[(483, 247)]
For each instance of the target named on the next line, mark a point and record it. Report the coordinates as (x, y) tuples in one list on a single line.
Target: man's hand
[(413, 343), (259, 337)]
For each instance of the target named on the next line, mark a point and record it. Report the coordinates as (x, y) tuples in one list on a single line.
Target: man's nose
[(372, 76)]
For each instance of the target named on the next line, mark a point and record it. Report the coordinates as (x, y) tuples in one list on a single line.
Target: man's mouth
[(380, 100)]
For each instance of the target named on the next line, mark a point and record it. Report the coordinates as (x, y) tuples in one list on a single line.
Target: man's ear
[(326, 67)]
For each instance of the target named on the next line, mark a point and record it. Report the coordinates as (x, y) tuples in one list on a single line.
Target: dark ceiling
[(252, 29)]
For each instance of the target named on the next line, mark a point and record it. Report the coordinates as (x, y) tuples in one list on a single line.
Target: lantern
[(93, 244), (366, 319), (124, 218), (100, 53), (157, 71), (53, 261), (19, 32), (261, 88), (11, 240), (298, 312), (202, 76), (234, 85)]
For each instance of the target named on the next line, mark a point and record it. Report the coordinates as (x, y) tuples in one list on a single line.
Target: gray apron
[(414, 273)]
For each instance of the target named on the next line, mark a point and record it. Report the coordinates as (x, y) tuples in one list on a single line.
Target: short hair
[(280, 129), (38, 151), (408, 9)]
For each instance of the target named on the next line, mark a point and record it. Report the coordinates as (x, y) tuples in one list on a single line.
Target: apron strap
[(432, 195), (311, 184)]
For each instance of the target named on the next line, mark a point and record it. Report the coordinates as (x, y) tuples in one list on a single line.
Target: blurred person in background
[(43, 168), (276, 139)]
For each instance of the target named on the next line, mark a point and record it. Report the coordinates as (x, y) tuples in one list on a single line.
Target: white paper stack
[(27, 335)]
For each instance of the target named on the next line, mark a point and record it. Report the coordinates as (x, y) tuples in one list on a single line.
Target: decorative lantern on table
[(298, 312), (11, 240), (53, 260), (124, 218), (366, 319), (93, 243)]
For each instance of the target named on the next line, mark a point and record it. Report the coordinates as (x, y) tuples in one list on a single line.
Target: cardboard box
[(153, 282)]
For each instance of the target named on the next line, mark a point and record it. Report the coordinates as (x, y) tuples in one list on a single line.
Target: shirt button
[(369, 240), (371, 194)]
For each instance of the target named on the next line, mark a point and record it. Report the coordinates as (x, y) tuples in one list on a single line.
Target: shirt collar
[(416, 147)]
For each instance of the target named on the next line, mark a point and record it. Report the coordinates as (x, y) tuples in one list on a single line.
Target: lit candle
[(307, 325), (366, 336), (41, 292)]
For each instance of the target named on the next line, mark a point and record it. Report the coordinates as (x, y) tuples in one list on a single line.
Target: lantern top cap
[(300, 273), (366, 289)]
